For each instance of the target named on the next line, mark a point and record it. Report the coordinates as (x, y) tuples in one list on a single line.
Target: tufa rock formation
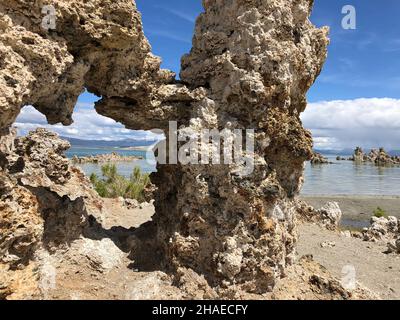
[(378, 157), (44, 203), (98, 45), (382, 228), (250, 67), (255, 62), (104, 158), (329, 216), (318, 158)]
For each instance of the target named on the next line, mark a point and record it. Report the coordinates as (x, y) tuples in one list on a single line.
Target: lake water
[(350, 178), (124, 168), (339, 178)]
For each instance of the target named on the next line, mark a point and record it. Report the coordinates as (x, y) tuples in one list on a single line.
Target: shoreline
[(357, 209), (350, 196)]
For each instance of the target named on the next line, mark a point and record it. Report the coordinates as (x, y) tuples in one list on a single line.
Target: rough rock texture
[(97, 44), (104, 158), (394, 246), (384, 229), (44, 203), (318, 158), (381, 157), (251, 65), (328, 216), (255, 60), (378, 157), (98, 268)]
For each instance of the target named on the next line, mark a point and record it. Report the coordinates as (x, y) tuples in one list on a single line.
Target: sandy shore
[(373, 268), (104, 268), (357, 210)]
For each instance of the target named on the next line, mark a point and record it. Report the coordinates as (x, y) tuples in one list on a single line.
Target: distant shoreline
[(138, 148)]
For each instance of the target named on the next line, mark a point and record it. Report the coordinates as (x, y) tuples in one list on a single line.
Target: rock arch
[(250, 67)]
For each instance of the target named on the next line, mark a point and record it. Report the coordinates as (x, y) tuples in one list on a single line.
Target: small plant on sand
[(114, 185), (379, 213)]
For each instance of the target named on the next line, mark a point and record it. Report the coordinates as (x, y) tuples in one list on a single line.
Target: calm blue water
[(349, 178), (124, 168), (339, 178)]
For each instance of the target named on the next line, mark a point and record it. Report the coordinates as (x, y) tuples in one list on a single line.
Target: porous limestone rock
[(381, 157), (250, 67), (98, 45), (105, 158), (318, 158), (44, 202), (386, 229), (394, 246), (359, 155), (329, 216), (255, 60), (378, 157)]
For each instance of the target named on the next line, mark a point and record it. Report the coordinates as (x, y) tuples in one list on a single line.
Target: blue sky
[(362, 64)]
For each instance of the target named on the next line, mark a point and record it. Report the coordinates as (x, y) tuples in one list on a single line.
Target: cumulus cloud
[(343, 124), (88, 125), (336, 125)]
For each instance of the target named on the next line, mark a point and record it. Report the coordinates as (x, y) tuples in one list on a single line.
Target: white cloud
[(349, 123), (337, 124), (88, 125)]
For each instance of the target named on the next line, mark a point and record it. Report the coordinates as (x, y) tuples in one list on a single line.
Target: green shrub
[(114, 185), (379, 212)]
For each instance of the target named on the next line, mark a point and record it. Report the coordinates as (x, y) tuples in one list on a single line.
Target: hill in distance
[(78, 143)]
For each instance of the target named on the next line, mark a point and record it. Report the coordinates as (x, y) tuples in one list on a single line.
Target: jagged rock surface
[(378, 157), (251, 65), (98, 45), (384, 229), (105, 158), (44, 203), (256, 60), (328, 216), (318, 158)]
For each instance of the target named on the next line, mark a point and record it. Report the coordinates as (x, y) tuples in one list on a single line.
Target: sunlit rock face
[(95, 44), (44, 204), (250, 67), (256, 60)]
